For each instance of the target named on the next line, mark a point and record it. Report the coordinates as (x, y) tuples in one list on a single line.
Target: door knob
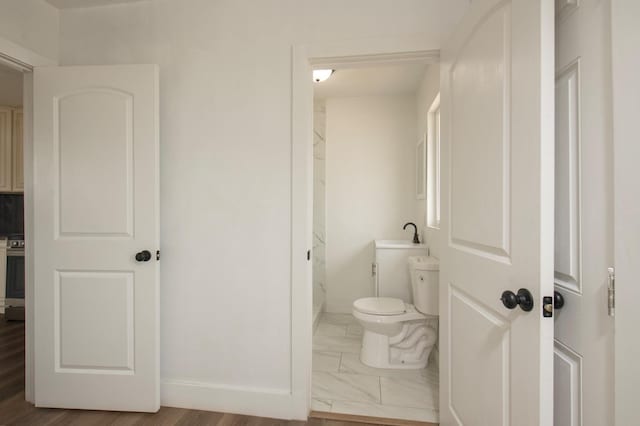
[(558, 300), (143, 256), (523, 298)]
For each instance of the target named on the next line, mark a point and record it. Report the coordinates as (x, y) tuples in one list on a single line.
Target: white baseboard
[(273, 403)]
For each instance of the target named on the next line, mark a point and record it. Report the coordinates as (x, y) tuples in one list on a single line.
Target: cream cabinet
[(11, 150)]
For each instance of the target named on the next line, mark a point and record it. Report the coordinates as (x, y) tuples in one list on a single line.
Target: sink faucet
[(416, 240)]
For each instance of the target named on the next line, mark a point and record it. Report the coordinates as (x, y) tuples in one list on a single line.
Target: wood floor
[(14, 410)]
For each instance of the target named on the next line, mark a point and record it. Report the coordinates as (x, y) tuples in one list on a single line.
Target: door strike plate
[(547, 306)]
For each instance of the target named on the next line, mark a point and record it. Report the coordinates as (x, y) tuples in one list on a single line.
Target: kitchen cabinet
[(11, 149)]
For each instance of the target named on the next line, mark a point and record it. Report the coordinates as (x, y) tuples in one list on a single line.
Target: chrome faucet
[(416, 240)]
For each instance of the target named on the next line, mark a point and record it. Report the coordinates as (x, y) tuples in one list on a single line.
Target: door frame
[(337, 55), (23, 59), (626, 107)]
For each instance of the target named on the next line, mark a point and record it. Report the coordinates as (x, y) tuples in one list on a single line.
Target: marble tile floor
[(342, 384)]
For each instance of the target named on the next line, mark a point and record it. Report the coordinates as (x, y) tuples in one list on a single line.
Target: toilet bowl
[(396, 334)]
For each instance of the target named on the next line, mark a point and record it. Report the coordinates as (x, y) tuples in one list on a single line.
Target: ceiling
[(382, 80), (71, 4)]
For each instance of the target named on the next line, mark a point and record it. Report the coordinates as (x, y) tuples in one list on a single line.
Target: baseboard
[(272, 403)]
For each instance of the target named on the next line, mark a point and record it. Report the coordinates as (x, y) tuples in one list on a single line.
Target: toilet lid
[(380, 306)]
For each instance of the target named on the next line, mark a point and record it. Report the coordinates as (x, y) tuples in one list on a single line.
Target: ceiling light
[(321, 75)]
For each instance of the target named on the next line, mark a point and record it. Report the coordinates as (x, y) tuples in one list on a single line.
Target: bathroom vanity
[(390, 262)]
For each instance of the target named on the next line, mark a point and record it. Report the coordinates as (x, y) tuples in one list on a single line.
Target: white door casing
[(583, 360), (497, 214), (96, 190)]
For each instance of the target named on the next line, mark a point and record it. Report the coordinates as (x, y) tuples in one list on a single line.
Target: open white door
[(497, 135), (584, 358), (96, 207)]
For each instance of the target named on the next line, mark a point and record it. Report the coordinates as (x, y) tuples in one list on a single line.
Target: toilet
[(396, 332)]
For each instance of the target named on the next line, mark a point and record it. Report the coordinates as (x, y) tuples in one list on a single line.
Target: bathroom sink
[(399, 244)]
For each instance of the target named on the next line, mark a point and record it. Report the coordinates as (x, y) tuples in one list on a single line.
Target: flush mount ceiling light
[(321, 75)]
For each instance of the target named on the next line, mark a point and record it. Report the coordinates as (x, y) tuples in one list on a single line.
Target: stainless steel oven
[(14, 301)]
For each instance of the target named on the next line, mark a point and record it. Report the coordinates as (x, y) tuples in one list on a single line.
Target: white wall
[(10, 87), (31, 24), (225, 78), (427, 92), (370, 175)]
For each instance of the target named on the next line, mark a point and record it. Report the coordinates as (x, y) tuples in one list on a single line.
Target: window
[(433, 164)]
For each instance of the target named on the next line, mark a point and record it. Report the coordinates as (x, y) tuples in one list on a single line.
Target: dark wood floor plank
[(167, 416), (195, 417), (42, 416)]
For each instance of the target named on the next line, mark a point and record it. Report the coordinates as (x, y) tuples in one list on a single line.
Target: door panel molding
[(112, 349), (568, 381), (480, 174), (568, 239), (103, 142), (486, 367)]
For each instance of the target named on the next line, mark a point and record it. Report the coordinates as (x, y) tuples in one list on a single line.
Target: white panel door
[(583, 389), (96, 206), (497, 156)]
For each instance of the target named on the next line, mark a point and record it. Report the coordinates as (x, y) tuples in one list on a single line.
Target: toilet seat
[(380, 306), (365, 310)]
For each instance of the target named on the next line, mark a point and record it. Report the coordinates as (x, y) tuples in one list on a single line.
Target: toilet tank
[(425, 276), (391, 276)]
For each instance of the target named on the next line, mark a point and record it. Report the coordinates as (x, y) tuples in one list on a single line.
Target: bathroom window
[(433, 164)]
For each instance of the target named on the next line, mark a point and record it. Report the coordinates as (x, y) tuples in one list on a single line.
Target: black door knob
[(523, 298), (558, 300), (143, 256)]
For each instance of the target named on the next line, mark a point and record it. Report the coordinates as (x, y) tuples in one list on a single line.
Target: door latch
[(611, 292), (547, 306)]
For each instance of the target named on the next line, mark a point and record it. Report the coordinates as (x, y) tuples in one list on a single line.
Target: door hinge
[(374, 269), (157, 254), (308, 254), (611, 292)]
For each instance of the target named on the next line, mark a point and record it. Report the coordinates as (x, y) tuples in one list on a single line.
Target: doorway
[(15, 250), (369, 155), (12, 244)]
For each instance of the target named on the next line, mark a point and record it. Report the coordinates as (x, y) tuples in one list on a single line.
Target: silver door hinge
[(611, 292), (374, 269)]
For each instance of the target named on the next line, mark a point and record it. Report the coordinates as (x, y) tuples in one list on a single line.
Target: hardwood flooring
[(14, 410)]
